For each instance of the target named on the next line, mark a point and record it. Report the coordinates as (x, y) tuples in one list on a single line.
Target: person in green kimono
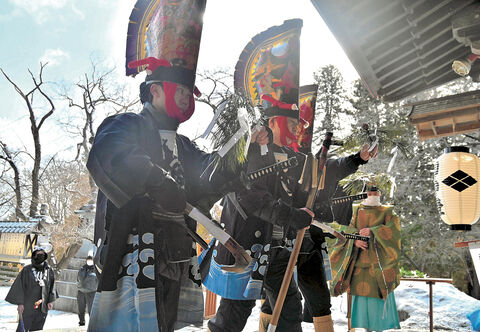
[(369, 271)]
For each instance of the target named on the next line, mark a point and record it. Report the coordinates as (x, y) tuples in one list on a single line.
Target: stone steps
[(75, 263), (6, 280), (9, 271), (66, 303), (68, 275), (66, 282), (8, 274), (66, 288), (66, 285)]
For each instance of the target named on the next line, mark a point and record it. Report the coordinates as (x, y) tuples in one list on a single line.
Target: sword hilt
[(356, 237), (345, 199), (289, 163)]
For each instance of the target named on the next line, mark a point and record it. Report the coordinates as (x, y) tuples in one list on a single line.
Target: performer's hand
[(365, 155), (260, 136), (365, 232), (226, 184), (361, 244), (50, 306), (20, 308), (169, 196), (303, 220), (309, 212)]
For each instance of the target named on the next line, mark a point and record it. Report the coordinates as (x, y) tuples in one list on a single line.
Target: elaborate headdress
[(164, 38), (307, 101), (267, 72)]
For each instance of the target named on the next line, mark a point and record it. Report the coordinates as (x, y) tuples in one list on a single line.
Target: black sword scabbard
[(289, 163), (346, 199), (355, 236)]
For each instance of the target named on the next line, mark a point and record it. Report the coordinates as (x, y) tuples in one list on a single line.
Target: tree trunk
[(18, 196), (35, 172), (19, 215)]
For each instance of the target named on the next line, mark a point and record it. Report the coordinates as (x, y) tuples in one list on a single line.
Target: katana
[(289, 163), (345, 199), (342, 236)]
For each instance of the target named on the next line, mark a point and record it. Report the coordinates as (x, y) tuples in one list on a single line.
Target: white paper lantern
[(457, 173)]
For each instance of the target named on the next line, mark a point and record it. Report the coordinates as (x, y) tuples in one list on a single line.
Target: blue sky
[(69, 33), (64, 33)]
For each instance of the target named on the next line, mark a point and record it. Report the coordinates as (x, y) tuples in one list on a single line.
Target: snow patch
[(450, 307)]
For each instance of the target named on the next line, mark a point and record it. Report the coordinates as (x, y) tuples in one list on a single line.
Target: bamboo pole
[(286, 281)]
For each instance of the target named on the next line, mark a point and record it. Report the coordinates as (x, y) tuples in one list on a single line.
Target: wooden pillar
[(349, 312), (430, 314), (430, 282), (210, 298), (29, 244), (25, 247), (210, 304)]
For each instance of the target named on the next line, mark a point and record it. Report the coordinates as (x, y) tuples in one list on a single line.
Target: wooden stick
[(317, 170), (286, 281), (349, 312)]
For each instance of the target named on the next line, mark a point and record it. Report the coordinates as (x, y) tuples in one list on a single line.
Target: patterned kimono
[(268, 208), (143, 259), (370, 275), (254, 232), (30, 286)]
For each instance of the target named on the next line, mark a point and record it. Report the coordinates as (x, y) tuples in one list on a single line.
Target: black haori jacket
[(26, 289), (275, 199), (335, 170), (268, 203), (125, 150)]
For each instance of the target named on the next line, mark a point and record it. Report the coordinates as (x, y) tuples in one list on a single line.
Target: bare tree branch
[(7, 156), (35, 129)]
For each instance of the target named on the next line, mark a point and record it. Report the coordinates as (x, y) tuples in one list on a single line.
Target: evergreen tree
[(427, 242), (331, 101)]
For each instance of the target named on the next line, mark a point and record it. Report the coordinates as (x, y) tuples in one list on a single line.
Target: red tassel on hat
[(279, 104), (151, 62)]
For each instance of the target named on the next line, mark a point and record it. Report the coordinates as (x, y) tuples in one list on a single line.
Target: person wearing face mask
[(33, 291), (369, 270), (257, 217), (146, 172), (87, 285), (313, 266)]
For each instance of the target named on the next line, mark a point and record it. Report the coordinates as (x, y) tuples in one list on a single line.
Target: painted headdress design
[(267, 72), (164, 39), (168, 31), (307, 100)]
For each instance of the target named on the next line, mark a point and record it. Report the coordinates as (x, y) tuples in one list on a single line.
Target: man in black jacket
[(313, 263), (87, 286), (33, 291), (146, 173), (268, 207)]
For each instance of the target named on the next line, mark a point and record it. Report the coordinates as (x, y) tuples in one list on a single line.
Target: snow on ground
[(449, 304)]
